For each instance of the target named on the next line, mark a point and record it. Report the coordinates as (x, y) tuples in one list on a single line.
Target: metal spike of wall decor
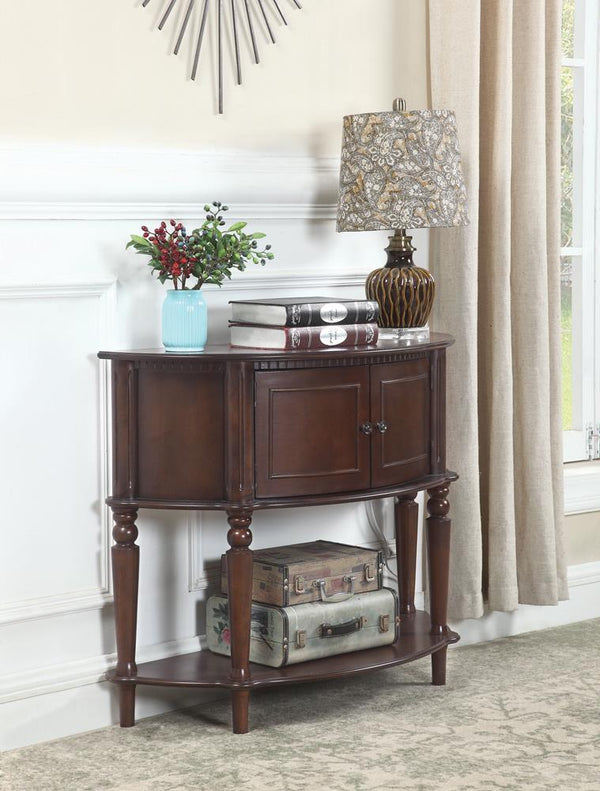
[(248, 16)]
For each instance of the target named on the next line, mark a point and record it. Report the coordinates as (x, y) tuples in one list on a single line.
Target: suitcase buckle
[(299, 585), (301, 638), (369, 572), (384, 623)]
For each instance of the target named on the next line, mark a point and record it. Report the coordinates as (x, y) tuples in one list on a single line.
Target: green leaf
[(140, 240), (257, 235), (237, 226)]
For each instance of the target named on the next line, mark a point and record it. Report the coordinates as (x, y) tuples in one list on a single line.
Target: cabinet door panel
[(400, 398), (308, 438), (181, 435)]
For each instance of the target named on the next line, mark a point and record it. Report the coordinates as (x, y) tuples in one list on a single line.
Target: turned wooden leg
[(125, 562), (239, 581), (406, 514), (438, 560)]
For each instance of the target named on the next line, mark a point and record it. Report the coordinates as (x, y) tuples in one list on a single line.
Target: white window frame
[(582, 480)]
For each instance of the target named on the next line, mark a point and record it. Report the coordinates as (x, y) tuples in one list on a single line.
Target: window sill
[(582, 487)]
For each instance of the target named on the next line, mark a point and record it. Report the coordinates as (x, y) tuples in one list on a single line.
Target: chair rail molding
[(54, 182)]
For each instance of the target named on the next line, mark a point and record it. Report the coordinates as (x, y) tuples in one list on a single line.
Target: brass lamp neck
[(400, 249)]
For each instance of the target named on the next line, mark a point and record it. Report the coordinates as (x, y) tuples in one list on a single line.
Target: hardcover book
[(291, 338), (304, 311)]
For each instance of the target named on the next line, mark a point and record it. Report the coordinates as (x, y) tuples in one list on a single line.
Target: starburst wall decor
[(247, 16)]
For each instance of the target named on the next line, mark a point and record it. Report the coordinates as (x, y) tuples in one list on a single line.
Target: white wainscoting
[(68, 287)]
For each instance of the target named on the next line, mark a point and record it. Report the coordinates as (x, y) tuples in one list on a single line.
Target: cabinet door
[(180, 428), (400, 405), (308, 437)]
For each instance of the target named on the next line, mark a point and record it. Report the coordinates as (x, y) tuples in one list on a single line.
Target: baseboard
[(81, 673), (51, 703), (583, 604)]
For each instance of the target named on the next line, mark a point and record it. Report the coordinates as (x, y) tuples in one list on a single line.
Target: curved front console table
[(244, 429)]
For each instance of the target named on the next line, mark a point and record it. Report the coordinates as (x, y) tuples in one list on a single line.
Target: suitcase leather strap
[(331, 630)]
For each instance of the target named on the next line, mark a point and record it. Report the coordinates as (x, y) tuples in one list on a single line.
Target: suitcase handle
[(329, 630), (335, 597)]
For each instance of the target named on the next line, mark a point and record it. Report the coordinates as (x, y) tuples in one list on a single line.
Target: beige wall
[(100, 73), (582, 533)]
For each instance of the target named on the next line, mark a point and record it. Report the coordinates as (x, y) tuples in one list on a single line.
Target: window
[(580, 221)]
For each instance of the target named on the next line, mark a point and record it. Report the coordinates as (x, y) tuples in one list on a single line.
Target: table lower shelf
[(205, 669)]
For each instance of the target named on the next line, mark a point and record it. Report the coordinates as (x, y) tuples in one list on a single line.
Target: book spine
[(326, 337), (312, 314)]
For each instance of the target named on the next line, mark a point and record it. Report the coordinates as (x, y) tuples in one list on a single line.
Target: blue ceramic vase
[(184, 321)]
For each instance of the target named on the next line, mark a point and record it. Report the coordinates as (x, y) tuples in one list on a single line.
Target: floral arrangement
[(205, 255)]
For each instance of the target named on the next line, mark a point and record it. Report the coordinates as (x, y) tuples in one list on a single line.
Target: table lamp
[(399, 170)]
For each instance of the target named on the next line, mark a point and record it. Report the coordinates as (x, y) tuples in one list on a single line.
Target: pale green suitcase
[(288, 635)]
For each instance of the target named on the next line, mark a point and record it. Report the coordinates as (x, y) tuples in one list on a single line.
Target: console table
[(237, 430)]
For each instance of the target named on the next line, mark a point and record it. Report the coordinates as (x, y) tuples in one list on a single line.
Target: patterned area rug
[(517, 713)]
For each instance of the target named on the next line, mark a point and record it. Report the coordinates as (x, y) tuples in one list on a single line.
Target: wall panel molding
[(250, 281), (198, 579), (97, 597)]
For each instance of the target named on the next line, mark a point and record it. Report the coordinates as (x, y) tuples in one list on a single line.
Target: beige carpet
[(520, 713)]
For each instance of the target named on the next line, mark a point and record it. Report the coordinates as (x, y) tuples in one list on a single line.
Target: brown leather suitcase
[(314, 571)]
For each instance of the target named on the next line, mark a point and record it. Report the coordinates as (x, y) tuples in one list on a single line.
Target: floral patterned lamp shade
[(400, 170)]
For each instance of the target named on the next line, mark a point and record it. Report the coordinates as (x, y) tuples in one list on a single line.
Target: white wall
[(102, 131)]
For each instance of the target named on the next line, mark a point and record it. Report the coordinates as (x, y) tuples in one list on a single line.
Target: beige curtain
[(497, 64)]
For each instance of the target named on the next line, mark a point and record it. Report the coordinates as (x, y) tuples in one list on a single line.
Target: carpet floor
[(517, 713)]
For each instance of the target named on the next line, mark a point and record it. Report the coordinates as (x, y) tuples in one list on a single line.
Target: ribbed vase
[(404, 294), (184, 321)]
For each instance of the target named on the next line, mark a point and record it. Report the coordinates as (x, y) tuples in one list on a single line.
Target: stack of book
[(303, 323)]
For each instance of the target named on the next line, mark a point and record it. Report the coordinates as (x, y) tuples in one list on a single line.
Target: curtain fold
[(497, 64)]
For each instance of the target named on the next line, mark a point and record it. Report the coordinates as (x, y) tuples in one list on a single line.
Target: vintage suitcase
[(314, 571), (288, 635)]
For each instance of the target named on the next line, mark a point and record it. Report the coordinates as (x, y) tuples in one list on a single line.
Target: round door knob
[(367, 428), (382, 426)]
